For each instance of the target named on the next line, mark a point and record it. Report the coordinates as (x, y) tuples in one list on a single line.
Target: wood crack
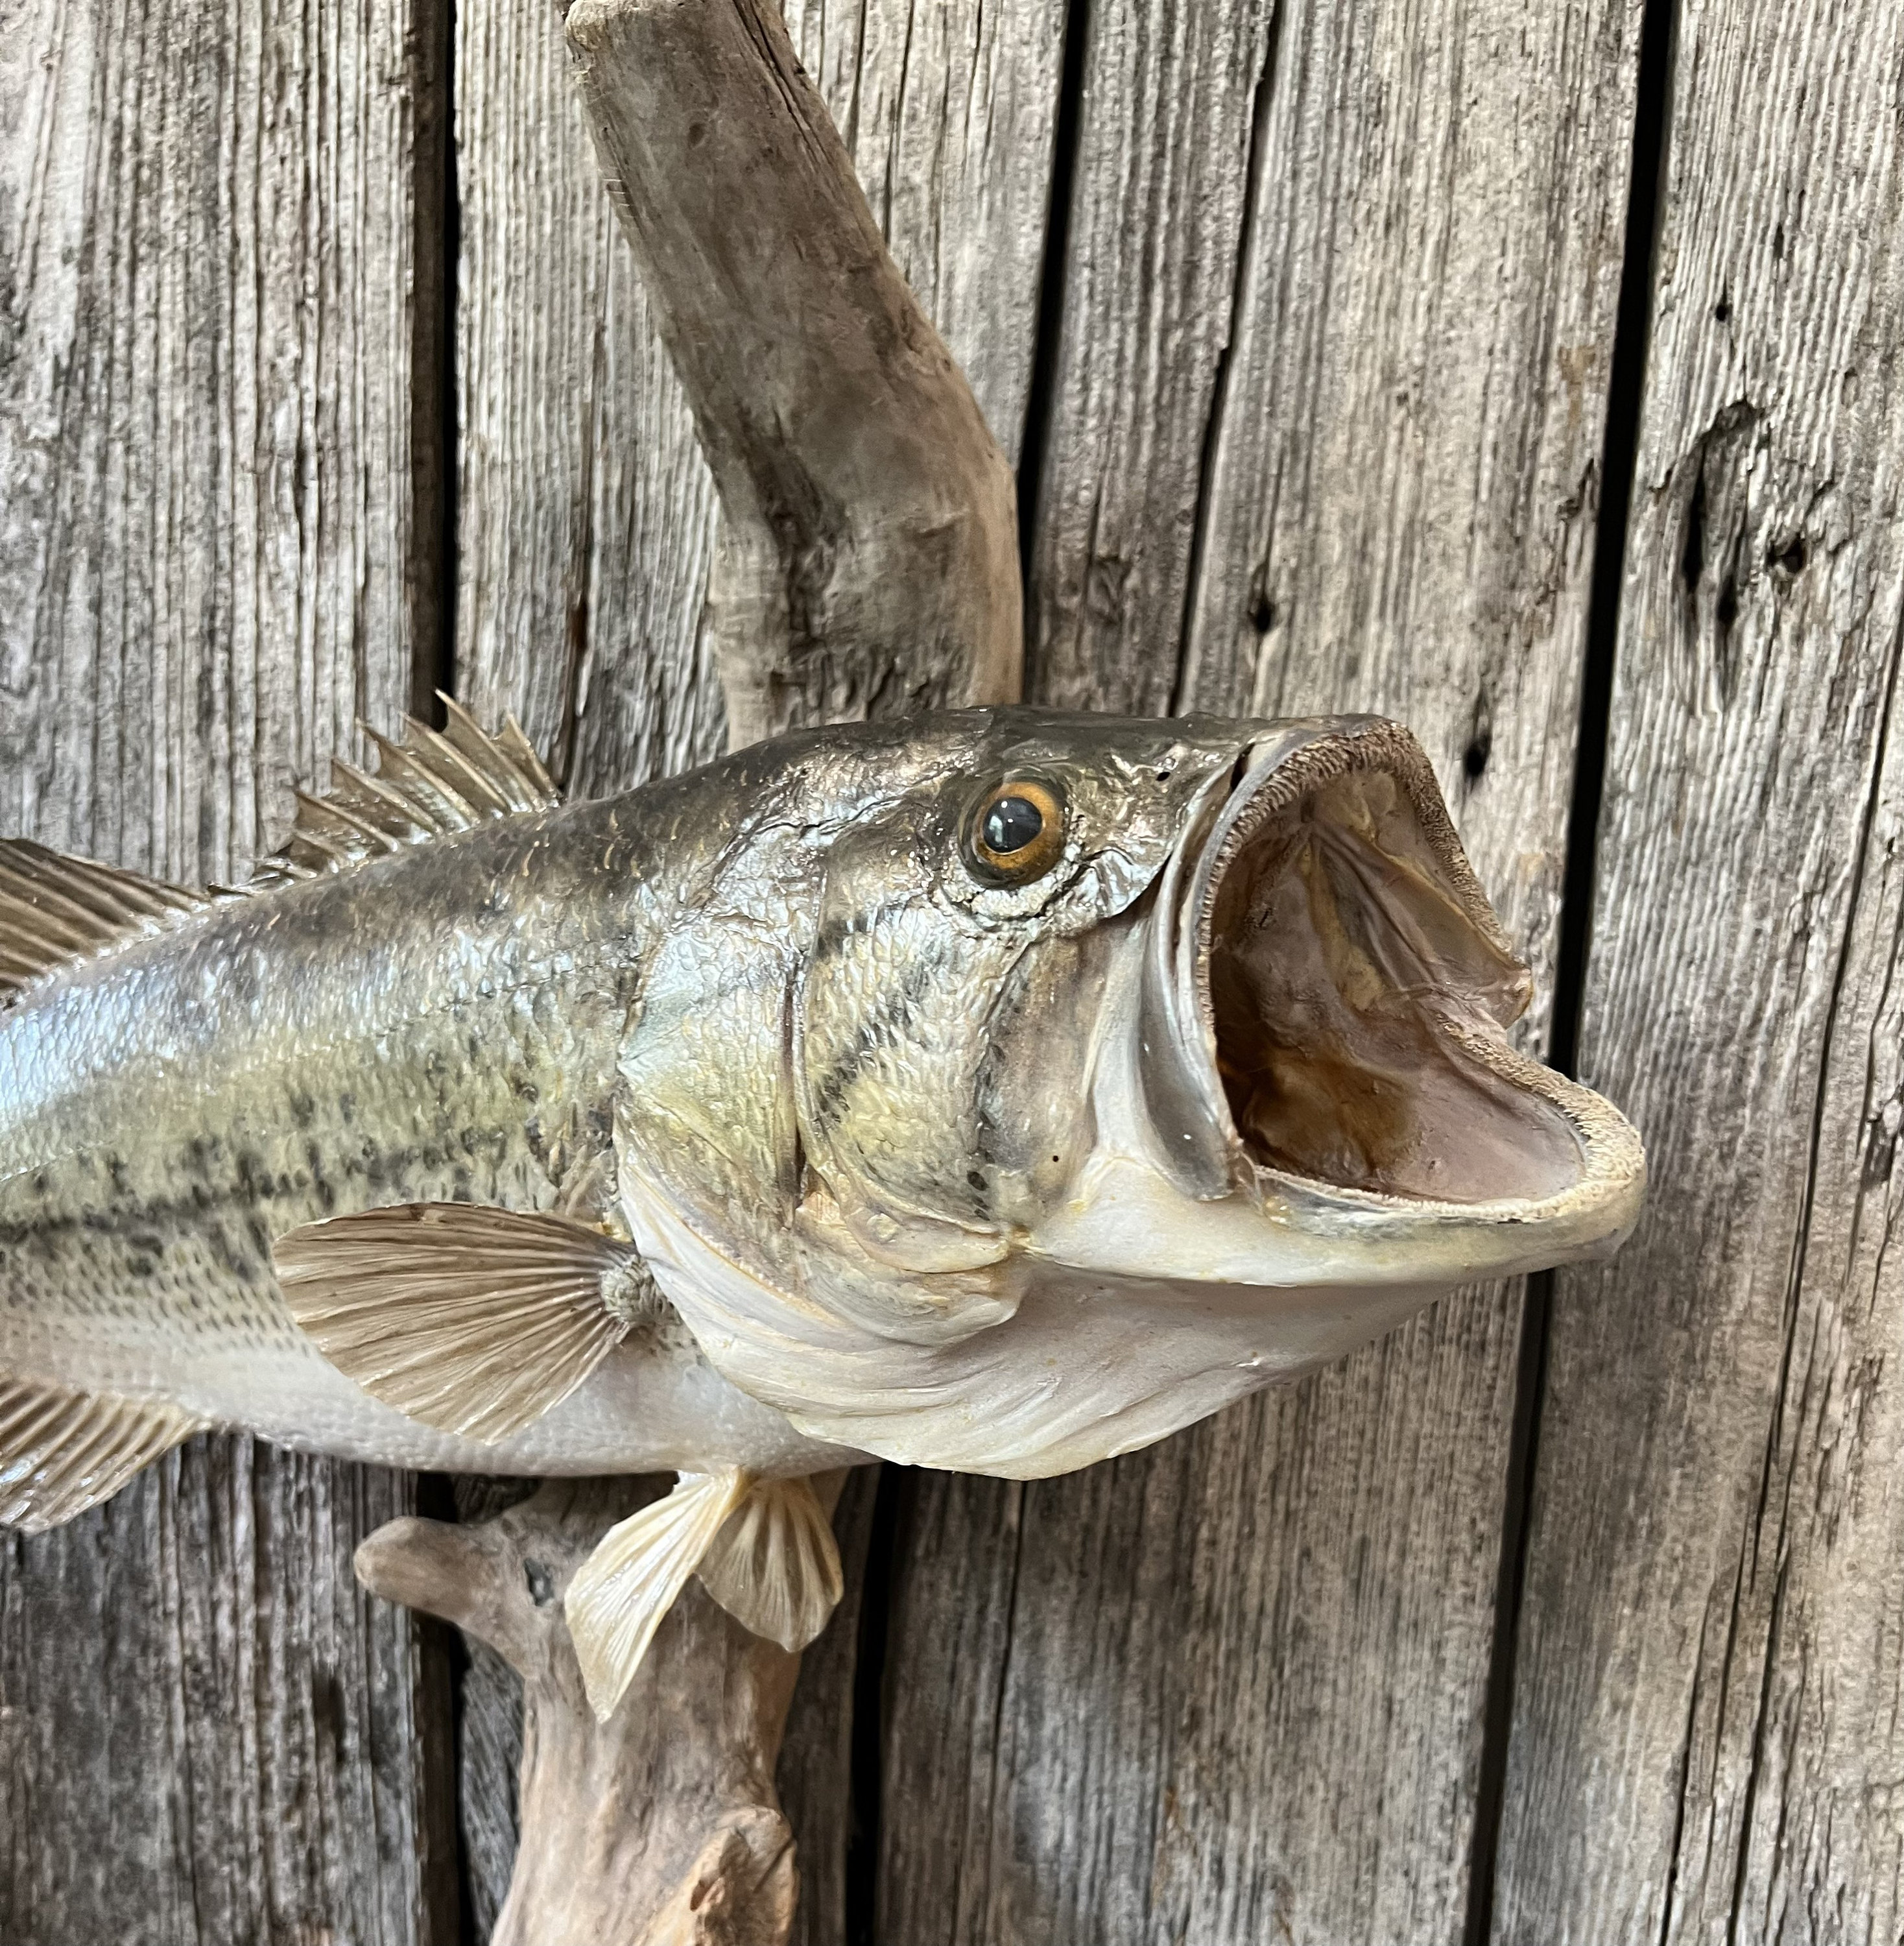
[(1684, 1773), (1742, 1857), (1617, 468), (1041, 398), (1183, 687), (1018, 1492)]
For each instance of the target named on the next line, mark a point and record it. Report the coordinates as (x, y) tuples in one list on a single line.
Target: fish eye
[(1019, 831)]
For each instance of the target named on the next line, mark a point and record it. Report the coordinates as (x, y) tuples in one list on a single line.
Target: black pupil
[(1011, 824)]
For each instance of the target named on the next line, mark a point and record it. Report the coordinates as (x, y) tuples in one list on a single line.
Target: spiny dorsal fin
[(472, 1318), (62, 1451), (429, 783), (55, 910), (776, 1567), (619, 1594)]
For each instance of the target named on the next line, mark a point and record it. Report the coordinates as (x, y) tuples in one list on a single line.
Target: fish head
[(1214, 1003), (1098, 1030)]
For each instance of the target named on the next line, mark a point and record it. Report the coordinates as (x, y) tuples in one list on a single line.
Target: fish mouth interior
[(1356, 985)]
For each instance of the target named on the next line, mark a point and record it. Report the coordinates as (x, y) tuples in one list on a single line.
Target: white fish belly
[(654, 1404)]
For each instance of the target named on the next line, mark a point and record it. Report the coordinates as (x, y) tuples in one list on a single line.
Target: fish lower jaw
[(1125, 1218)]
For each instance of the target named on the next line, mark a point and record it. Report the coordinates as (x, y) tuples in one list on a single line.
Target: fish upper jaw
[(1301, 1077)]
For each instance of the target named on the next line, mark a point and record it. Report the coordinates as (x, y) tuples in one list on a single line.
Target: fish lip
[(1198, 1142)]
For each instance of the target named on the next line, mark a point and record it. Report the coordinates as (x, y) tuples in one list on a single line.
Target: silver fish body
[(934, 1155)]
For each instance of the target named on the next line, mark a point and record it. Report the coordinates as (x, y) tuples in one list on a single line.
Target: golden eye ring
[(1018, 834)]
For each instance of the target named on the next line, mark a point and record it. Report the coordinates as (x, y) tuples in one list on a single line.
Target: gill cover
[(818, 1066)]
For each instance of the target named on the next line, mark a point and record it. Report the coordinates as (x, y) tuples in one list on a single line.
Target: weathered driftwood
[(593, 527), (661, 1827), (868, 563)]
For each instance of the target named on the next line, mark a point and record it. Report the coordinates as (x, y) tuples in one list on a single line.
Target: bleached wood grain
[(1167, 130), (215, 556), (815, 1776), (1339, 304), (208, 1732), (1706, 1734)]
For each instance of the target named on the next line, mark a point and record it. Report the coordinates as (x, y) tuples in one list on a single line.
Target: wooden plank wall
[(1365, 263), (1324, 334)]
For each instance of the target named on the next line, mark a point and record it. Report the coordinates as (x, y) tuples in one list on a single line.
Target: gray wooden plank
[(1706, 1726), (214, 553), (1338, 309), (1167, 150), (209, 1734), (1203, 1694), (586, 517)]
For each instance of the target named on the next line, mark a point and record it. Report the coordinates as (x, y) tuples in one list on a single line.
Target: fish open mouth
[(1340, 990)]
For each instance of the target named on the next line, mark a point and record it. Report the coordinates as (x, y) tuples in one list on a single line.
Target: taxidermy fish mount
[(998, 1091), (994, 1089)]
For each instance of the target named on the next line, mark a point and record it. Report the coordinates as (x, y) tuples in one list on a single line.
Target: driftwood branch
[(661, 1827), (868, 562)]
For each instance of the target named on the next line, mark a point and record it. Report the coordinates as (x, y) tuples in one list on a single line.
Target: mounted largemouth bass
[(1001, 1091)]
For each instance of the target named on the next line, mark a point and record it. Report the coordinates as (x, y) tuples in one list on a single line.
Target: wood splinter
[(868, 566)]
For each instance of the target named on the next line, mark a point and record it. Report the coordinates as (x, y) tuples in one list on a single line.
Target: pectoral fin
[(62, 1452), (619, 1596), (474, 1320), (775, 1567)]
